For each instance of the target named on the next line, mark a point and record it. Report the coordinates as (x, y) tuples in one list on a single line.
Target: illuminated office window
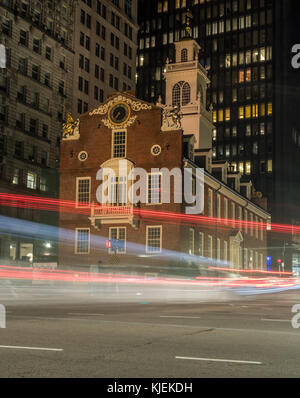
[(255, 110), (241, 112), (227, 114), (248, 167), (215, 116), (270, 166), (241, 76), (248, 111), (241, 167), (270, 108), (220, 115)]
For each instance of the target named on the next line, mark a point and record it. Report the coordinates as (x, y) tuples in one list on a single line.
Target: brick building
[(142, 136)]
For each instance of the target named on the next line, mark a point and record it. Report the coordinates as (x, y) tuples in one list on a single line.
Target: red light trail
[(33, 274), (67, 206)]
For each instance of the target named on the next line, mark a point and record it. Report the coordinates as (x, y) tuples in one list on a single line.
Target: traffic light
[(279, 261)]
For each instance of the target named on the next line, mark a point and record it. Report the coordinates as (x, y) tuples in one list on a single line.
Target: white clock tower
[(186, 86)]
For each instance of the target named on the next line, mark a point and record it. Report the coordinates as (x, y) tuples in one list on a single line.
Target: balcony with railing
[(107, 214)]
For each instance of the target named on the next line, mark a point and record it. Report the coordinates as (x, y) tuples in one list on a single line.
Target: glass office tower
[(246, 45)]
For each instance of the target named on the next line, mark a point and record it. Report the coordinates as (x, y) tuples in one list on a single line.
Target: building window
[(154, 188), (191, 241), (225, 250), (246, 221), (218, 249), (186, 94), (119, 144), (23, 37), (261, 229), (79, 106), (233, 213), (226, 210), (218, 206), (31, 180), (47, 79), (16, 176), (256, 227), (201, 244), (209, 246), (36, 46), (246, 258), (210, 203), (251, 224), (118, 234), (184, 55), (83, 191), (35, 72), (181, 94), (117, 190), (82, 241), (153, 239), (43, 184), (111, 81)]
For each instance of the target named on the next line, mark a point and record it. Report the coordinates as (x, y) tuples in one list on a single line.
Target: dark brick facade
[(96, 139)]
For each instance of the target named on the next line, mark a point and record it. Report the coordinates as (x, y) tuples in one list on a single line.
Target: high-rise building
[(57, 56), (35, 90), (105, 45), (246, 47)]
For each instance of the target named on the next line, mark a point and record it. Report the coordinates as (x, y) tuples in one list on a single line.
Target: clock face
[(119, 113)]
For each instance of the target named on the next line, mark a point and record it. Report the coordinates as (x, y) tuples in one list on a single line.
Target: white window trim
[(125, 239), (219, 206), (225, 244), (77, 193), (233, 213), (161, 185), (147, 232), (124, 130), (76, 240), (256, 228), (226, 210), (261, 229)]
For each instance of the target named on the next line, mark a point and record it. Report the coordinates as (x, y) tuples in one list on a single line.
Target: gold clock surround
[(121, 105)]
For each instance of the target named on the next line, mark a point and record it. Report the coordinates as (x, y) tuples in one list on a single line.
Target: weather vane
[(188, 19)]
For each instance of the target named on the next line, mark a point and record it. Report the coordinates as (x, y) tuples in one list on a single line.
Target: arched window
[(184, 55), (186, 94), (176, 95), (181, 94)]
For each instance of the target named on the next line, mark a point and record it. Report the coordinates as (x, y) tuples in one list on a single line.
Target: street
[(93, 337)]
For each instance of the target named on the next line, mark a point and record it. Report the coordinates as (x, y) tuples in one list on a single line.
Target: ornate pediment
[(118, 111)]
